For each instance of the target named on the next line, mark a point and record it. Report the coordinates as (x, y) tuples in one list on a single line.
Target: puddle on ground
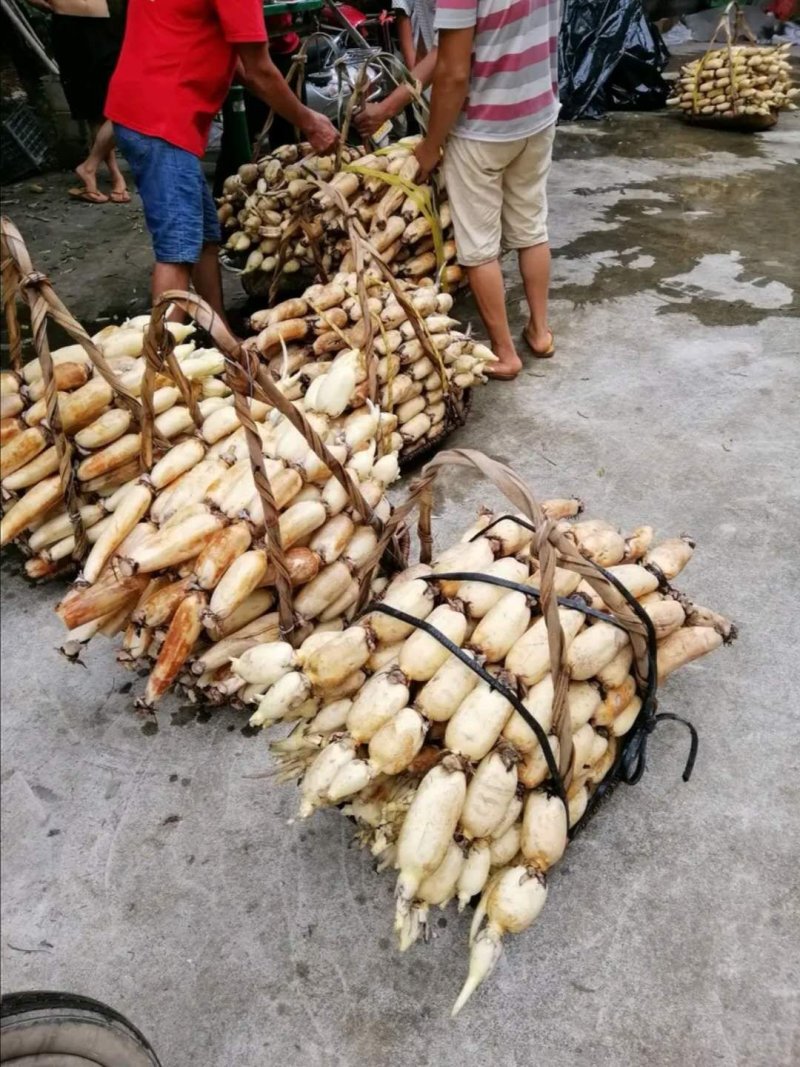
[(686, 248), (185, 714), (190, 713), (654, 136), (719, 276)]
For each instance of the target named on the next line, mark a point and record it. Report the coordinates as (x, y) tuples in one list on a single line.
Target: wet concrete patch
[(682, 235), (723, 278), (631, 137)]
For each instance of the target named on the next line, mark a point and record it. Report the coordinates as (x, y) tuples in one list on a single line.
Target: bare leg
[(101, 146), (486, 282), (205, 275), (207, 278), (534, 265), (171, 276), (118, 186)]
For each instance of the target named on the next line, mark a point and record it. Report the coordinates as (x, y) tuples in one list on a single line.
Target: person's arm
[(260, 75), (405, 38), (43, 5), (372, 116), (450, 88)]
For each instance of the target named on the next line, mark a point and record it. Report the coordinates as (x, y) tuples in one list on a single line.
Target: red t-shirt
[(176, 65)]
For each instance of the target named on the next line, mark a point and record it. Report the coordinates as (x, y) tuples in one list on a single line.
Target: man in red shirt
[(176, 66)]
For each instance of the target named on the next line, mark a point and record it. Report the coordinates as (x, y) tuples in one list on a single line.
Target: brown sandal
[(499, 375), (549, 353), (89, 196)]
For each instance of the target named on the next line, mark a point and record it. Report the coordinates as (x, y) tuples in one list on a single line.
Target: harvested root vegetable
[(669, 558), (738, 85), (544, 830), (489, 793), (684, 646), (381, 697), (510, 904), (445, 776), (478, 721), (183, 631), (422, 654), (428, 827)]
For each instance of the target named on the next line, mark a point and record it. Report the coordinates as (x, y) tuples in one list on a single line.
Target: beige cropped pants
[(498, 194)]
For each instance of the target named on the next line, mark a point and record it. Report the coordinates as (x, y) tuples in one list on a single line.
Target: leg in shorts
[(178, 207), (497, 193), (524, 213)]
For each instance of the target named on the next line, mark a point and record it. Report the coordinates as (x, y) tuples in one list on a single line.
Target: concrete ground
[(161, 871)]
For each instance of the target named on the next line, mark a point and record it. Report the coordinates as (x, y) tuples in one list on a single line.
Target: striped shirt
[(513, 90), (421, 13)]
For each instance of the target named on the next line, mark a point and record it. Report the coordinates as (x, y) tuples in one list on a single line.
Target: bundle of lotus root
[(283, 223), (506, 683), (421, 364), (735, 83), (258, 523), (71, 429)]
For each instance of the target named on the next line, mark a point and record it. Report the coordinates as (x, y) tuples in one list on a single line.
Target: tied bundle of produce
[(737, 85), (283, 225), (365, 336), (72, 417), (257, 527), (510, 681)]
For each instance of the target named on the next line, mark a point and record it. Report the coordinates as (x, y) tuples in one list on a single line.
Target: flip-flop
[(551, 351), (499, 376), (121, 196), (89, 196)]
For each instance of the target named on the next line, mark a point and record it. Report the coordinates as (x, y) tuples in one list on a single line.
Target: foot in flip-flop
[(540, 351), (90, 196), (88, 190), (120, 196), (504, 369)]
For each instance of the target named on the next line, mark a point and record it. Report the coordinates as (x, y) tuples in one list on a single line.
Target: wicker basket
[(456, 417), (738, 123), (732, 27)]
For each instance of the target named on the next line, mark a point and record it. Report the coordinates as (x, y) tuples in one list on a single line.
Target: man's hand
[(370, 118), (320, 132), (428, 157), (260, 75)]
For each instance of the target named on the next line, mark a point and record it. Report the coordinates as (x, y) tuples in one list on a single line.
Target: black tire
[(46, 1029)]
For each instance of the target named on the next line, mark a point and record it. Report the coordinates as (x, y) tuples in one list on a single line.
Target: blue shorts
[(178, 207)]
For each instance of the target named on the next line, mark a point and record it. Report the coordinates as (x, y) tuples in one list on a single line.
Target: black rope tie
[(577, 602), (631, 760), (634, 762), (491, 681), (502, 518)]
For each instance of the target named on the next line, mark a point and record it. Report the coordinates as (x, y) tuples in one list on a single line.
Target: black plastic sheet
[(610, 58)]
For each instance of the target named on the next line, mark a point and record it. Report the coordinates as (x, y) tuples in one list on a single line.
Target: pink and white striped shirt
[(513, 90)]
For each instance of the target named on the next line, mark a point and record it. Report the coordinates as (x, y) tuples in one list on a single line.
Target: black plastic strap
[(635, 762), (631, 761), (630, 764), (651, 682), (493, 683), (501, 518), (577, 603)]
